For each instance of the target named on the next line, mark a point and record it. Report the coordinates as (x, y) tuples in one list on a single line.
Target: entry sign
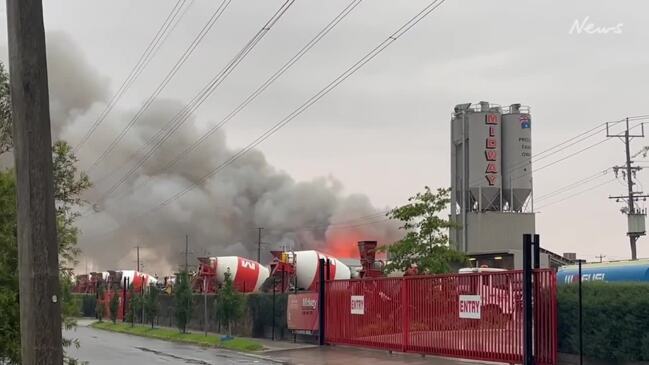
[(358, 304), (470, 306)]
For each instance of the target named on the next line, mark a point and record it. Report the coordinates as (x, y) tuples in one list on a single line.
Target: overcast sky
[(385, 131)]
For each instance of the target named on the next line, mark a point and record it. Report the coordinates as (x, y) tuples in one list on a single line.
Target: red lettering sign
[(490, 155), (491, 119), (491, 179), (491, 168), (491, 143), (492, 131)]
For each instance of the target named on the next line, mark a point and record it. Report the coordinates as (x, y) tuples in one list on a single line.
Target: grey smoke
[(220, 215)]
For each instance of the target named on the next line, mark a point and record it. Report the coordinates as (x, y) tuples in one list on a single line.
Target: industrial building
[(492, 190)]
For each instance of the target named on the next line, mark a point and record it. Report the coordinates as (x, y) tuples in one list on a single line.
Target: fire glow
[(344, 243)]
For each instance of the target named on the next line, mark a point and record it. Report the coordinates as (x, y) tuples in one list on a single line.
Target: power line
[(573, 185), (165, 81), (285, 67), (150, 51), (352, 222), (577, 193), (183, 115), (332, 85), (571, 155), (342, 77), (566, 144), (555, 149)]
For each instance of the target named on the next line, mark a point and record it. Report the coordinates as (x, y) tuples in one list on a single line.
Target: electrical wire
[(154, 45), (285, 67), (342, 77), (554, 149), (165, 81), (570, 155), (577, 193), (573, 185), (332, 85), (362, 220), (180, 118)]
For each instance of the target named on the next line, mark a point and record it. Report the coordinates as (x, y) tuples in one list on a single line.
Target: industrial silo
[(516, 156), (484, 157), (458, 164)]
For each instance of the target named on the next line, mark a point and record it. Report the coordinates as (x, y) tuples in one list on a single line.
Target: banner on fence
[(302, 312)]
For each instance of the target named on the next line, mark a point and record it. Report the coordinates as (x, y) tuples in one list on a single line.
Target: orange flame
[(344, 244)]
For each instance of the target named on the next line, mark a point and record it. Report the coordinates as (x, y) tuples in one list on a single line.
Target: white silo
[(516, 156)]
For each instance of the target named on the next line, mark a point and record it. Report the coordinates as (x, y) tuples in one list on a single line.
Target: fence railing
[(474, 316)]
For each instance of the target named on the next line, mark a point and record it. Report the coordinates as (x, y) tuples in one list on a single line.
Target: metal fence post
[(274, 310), (321, 299), (536, 290), (581, 320), (405, 314), (527, 300), (537, 251), (124, 286)]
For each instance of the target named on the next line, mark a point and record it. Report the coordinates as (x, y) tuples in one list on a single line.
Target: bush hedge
[(260, 309), (86, 304), (615, 318)]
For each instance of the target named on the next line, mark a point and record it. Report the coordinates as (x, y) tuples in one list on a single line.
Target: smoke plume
[(220, 215)]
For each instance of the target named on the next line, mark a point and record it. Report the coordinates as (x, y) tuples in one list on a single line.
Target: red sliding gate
[(474, 316)]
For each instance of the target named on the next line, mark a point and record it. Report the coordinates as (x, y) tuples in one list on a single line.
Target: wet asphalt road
[(104, 347)]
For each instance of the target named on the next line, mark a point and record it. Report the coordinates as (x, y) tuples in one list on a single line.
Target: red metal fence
[(474, 316)]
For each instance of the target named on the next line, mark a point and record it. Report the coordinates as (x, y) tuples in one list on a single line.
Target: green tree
[(425, 244), (69, 184), (6, 126), (134, 305), (151, 305), (113, 305), (9, 308), (229, 303), (99, 309), (69, 311), (183, 302)]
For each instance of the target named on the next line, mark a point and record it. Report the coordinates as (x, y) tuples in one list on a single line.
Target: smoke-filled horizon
[(221, 215)]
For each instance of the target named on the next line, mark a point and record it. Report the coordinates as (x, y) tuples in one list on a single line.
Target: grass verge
[(237, 344)]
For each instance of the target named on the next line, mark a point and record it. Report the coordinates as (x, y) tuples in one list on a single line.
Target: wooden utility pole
[(38, 262)]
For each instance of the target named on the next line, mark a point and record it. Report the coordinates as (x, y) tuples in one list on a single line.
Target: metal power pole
[(259, 245), (138, 258), (634, 215), (38, 262)]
